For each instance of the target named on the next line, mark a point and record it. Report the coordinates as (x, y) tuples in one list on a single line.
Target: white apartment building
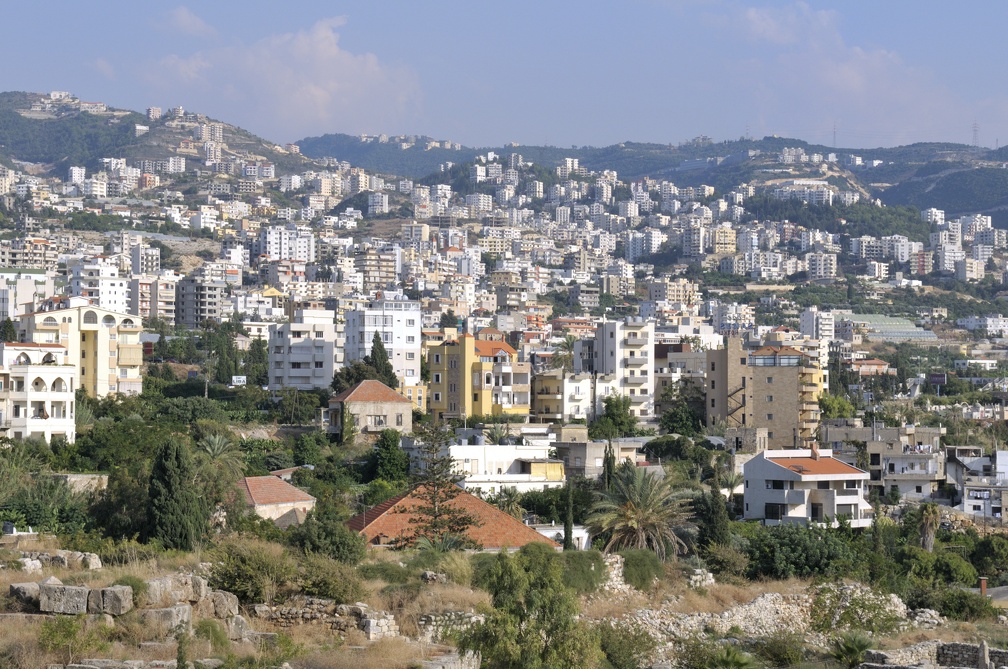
[(153, 296), (622, 350), (816, 324), (145, 259), (821, 265), (37, 386), (398, 321), (99, 282), (306, 352), (286, 242), (804, 486), (22, 289), (105, 343)]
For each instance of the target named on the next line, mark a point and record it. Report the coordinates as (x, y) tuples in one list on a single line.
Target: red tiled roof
[(369, 391), (260, 490), (815, 467), (494, 529), (491, 348)]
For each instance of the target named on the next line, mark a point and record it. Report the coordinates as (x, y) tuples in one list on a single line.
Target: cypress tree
[(568, 543), (175, 516), (378, 360)]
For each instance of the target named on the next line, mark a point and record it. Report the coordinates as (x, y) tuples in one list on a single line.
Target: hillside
[(56, 135)]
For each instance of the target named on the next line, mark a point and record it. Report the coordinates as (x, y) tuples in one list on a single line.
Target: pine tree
[(378, 360), (434, 517), (175, 516), (256, 363), (8, 331)]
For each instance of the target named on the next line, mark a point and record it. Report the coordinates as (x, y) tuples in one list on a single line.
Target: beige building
[(37, 385), (776, 388), (105, 344)]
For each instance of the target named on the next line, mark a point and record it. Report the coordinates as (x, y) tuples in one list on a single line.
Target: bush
[(696, 653), (953, 603), (390, 572), (323, 576), (325, 532), (840, 607), (138, 585), (849, 648), (726, 560), (253, 570), (213, 631), (623, 646), (641, 568), (787, 551), (584, 571), (783, 649), (457, 567)]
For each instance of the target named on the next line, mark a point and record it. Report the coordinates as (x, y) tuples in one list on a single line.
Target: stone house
[(374, 407), (274, 499)]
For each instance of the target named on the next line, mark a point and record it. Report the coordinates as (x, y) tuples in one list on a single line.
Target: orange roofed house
[(275, 499), (374, 407), (389, 523), (804, 486)]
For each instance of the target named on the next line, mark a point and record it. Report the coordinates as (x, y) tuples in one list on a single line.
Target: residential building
[(274, 499), (198, 300), (106, 343), (373, 406), (804, 486), (397, 321), (37, 386), (99, 282), (304, 353), (471, 377)]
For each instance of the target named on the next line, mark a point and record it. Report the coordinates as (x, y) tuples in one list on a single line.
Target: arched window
[(38, 385), (59, 386), (90, 318), (49, 321), (109, 321), (23, 359), (49, 359), (128, 323)]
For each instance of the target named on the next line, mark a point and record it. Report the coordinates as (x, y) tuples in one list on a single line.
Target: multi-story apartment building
[(37, 386), (378, 269), (198, 300), (559, 397), (100, 283), (908, 458), (776, 388), (106, 344), (821, 265), (153, 296), (286, 242), (306, 352), (816, 324), (398, 322), (622, 352), (471, 377), (22, 289)]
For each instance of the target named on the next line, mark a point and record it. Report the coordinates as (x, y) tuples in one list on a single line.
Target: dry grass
[(397, 653), (609, 605), (722, 596), (408, 605)]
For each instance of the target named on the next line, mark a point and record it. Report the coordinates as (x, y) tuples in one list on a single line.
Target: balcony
[(634, 340), (639, 399), (636, 380), (549, 394), (636, 360), (789, 497)]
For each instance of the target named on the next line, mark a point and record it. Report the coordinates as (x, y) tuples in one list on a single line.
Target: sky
[(869, 74)]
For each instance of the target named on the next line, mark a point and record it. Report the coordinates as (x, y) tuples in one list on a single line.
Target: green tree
[(392, 462), (532, 622), (640, 511), (8, 331), (175, 516), (448, 320), (679, 415), (616, 419), (509, 501), (255, 364), (712, 519), (435, 487), (835, 406), (378, 360), (325, 532), (563, 359), (568, 542), (930, 517)]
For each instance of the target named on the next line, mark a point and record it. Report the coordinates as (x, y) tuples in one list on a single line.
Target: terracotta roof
[(813, 467), (259, 490), (491, 348), (369, 391), (495, 529)]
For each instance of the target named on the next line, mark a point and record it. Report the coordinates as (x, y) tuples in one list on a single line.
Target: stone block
[(238, 628), (30, 565), (50, 580), (155, 590), (117, 600), (200, 589), (69, 599), (94, 601), (261, 610), (27, 593), (91, 561), (225, 604), (168, 619)]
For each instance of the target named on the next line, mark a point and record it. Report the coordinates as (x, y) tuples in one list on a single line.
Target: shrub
[(641, 568), (213, 631), (584, 571), (390, 572), (783, 649), (457, 567), (138, 585), (952, 603), (839, 607), (323, 576), (253, 570), (623, 646), (849, 648), (786, 551), (482, 564), (726, 560), (325, 532)]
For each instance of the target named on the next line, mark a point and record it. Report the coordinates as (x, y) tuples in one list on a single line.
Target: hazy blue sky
[(560, 73)]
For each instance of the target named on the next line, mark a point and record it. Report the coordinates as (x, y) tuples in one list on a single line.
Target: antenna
[(834, 134), (976, 135)]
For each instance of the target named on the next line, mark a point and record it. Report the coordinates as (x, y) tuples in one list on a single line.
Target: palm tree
[(639, 510), (509, 501), (221, 455), (730, 481), (497, 434), (730, 657), (563, 359), (930, 517), (849, 648)]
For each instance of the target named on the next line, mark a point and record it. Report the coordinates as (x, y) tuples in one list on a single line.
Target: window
[(712, 384), (769, 398), (769, 416), (318, 364), (475, 397), (437, 377), (410, 339), (278, 349), (437, 397), (437, 358), (410, 322), (398, 420), (769, 379), (712, 367), (712, 403), (742, 361), (410, 355)]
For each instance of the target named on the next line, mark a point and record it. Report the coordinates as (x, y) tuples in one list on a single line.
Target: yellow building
[(471, 377), (105, 344)]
